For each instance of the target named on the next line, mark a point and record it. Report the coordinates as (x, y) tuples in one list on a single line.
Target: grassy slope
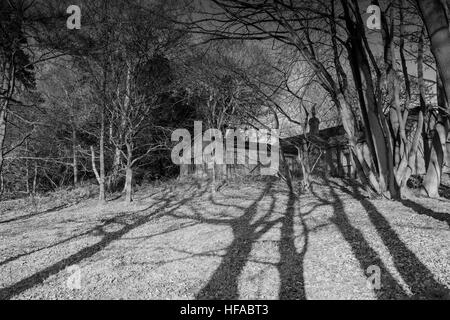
[(248, 241)]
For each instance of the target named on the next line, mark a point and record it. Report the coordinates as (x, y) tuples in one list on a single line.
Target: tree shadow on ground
[(108, 238), (416, 275), (290, 267), (36, 214), (224, 283), (421, 210), (362, 251), (11, 259)]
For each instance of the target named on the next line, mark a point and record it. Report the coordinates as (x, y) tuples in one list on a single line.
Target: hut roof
[(327, 138)]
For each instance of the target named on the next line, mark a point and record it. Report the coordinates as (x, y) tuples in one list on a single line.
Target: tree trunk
[(408, 162), (75, 158), (433, 176), (436, 22), (102, 175), (27, 169), (340, 169), (8, 86), (213, 173), (102, 195), (422, 100), (128, 184), (443, 103), (304, 165), (329, 160), (97, 176), (366, 174), (35, 178), (2, 132), (377, 130), (128, 188), (2, 183), (114, 177)]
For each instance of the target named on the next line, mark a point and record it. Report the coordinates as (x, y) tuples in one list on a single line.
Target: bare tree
[(436, 21), (331, 39)]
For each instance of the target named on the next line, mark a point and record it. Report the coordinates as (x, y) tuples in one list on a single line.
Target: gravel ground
[(247, 241)]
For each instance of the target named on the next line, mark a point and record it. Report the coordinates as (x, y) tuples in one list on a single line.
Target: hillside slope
[(247, 241)]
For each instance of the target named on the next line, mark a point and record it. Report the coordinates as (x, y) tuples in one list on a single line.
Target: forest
[(93, 91)]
